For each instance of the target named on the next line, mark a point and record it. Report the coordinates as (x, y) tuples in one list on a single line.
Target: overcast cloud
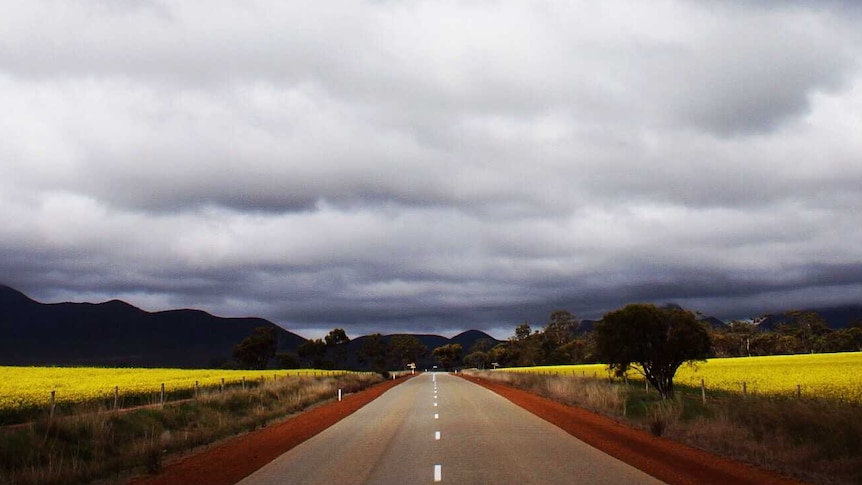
[(432, 165)]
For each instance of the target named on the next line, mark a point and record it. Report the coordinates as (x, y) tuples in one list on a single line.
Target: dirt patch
[(664, 459), (234, 459)]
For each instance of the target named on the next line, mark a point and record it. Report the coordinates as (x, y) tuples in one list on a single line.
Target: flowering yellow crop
[(829, 376), (28, 387), (582, 370)]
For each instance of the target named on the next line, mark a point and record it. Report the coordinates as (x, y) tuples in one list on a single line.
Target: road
[(440, 428)]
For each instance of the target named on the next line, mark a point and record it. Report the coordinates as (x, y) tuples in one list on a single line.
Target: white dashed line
[(436, 416), (437, 436), (438, 473), (435, 404)]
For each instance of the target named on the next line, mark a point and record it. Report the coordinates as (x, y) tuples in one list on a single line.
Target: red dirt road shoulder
[(234, 459), (667, 460)]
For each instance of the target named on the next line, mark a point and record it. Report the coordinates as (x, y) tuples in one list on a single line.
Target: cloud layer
[(432, 165)]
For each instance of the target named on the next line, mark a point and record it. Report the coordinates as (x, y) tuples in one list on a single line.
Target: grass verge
[(94, 443), (812, 440)]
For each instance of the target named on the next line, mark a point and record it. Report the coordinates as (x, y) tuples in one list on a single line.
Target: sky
[(432, 166)]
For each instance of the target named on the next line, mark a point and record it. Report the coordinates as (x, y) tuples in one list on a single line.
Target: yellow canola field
[(830, 376), (28, 387)]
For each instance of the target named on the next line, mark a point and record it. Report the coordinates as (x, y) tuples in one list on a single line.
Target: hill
[(837, 317), (115, 333), (465, 339)]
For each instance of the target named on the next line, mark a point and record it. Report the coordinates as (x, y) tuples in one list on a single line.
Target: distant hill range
[(465, 339), (116, 333), (835, 317)]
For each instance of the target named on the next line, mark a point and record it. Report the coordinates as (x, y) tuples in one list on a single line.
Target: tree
[(501, 355), (477, 359), (337, 340), (255, 350), (652, 341), (559, 331), (373, 352), (522, 331), (525, 348), (561, 328), (312, 351), (406, 349), (448, 355), (287, 361), (336, 336), (810, 329), (482, 345), (577, 351)]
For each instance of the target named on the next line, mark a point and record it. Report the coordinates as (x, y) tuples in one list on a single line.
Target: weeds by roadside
[(814, 440), (97, 443)]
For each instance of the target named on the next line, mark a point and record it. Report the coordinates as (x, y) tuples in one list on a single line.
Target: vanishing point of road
[(438, 428)]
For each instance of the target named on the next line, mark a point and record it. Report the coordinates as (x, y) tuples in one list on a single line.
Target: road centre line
[(437, 436), (438, 473)]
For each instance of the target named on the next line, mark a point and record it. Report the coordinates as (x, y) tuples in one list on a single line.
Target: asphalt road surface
[(440, 428)]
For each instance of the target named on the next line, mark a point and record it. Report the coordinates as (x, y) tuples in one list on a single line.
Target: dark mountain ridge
[(837, 317), (116, 333), (119, 334), (430, 341)]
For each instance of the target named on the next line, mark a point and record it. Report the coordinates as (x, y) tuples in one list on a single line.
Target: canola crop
[(835, 376), (30, 387)]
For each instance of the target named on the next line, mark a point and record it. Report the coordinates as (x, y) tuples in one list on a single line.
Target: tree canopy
[(448, 355), (312, 351), (255, 350), (336, 341), (652, 341), (406, 349), (374, 352)]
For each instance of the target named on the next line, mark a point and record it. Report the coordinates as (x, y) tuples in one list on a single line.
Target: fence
[(118, 398), (715, 393)]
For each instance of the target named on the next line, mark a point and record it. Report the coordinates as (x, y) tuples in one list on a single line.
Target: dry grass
[(96, 443), (593, 394), (814, 440)]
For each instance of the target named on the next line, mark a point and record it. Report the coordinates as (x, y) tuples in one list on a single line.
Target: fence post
[(703, 391), (744, 389), (798, 391), (53, 403), (197, 389), (116, 397), (243, 383), (222, 384), (163, 394)]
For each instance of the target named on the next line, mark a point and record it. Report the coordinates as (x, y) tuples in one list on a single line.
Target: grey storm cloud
[(431, 165)]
